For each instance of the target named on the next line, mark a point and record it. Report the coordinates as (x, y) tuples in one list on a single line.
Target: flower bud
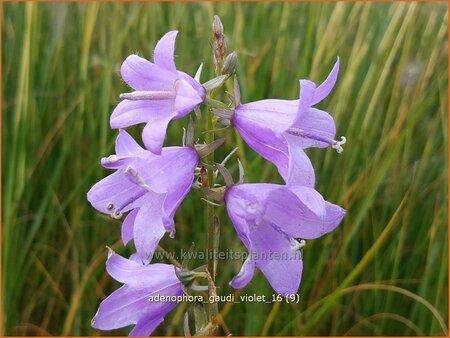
[(229, 65), (185, 276), (217, 27), (219, 45)]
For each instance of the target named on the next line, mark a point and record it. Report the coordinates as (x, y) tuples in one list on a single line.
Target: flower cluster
[(150, 183)]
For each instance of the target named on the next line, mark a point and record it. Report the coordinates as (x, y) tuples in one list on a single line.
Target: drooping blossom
[(279, 130), (150, 187), (130, 304), (272, 221), (161, 93)]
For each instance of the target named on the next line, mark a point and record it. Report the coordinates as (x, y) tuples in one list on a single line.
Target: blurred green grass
[(384, 271)]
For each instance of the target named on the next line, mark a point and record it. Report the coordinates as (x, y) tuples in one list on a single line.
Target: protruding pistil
[(148, 95), (333, 143), (219, 45)]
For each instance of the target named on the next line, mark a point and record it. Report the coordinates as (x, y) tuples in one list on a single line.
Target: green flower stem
[(212, 233), (210, 209)]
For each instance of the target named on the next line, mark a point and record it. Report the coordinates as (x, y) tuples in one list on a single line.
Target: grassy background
[(384, 271)]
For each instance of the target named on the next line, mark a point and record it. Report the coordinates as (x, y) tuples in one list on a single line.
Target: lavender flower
[(269, 218), (279, 130), (130, 305), (150, 186), (162, 93)]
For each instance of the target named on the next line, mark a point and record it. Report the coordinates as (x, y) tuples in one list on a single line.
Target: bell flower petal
[(128, 112), (173, 169), (306, 95), (146, 326), (246, 202), (187, 98), (127, 146), (193, 82), (301, 212), (272, 253), (278, 115), (300, 169), (162, 93), (312, 225), (128, 226), (245, 275), (130, 304), (313, 127), (278, 130), (141, 74), (268, 219), (266, 143), (155, 131), (116, 194), (129, 271), (148, 228), (150, 186), (126, 150), (327, 86), (317, 127), (164, 51)]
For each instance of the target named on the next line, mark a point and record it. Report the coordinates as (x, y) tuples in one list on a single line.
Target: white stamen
[(111, 159), (297, 245), (172, 234), (338, 145), (116, 215)]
